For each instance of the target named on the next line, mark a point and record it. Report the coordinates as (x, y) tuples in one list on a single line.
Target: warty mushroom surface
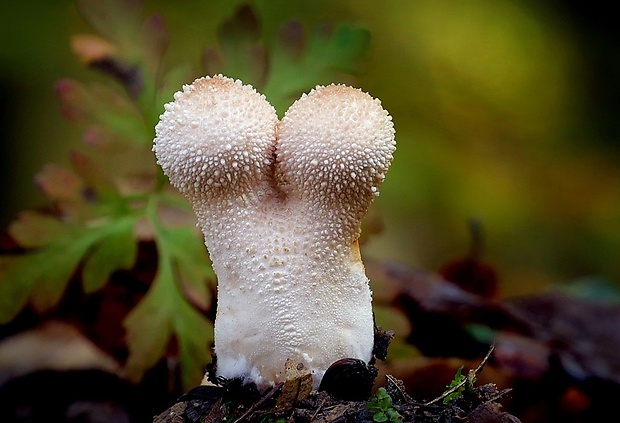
[(280, 205)]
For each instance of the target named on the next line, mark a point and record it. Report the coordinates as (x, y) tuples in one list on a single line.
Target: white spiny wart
[(280, 205)]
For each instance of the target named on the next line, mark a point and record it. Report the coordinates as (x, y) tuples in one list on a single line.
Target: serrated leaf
[(117, 250), (139, 47), (149, 325), (326, 56), (17, 277), (97, 179), (56, 264), (40, 276), (32, 229), (194, 334), (64, 190), (190, 264), (117, 20), (244, 56), (165, 312), (104, 108), (338, 50), (295, 63)]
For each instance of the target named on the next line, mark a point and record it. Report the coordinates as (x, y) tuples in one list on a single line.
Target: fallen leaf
[(297, 386)]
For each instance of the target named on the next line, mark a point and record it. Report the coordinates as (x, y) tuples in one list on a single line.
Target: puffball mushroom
[(280, 205)]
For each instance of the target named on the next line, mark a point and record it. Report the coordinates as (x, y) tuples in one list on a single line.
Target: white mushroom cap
[(334, 147), (280, 205), (216, 138)]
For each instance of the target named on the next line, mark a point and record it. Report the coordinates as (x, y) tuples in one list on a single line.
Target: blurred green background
[(505, 111)]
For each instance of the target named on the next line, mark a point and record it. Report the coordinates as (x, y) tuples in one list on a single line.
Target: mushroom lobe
[(280, 205)]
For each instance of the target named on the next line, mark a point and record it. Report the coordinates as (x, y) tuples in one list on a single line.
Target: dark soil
[(212, 404), (343, 397)]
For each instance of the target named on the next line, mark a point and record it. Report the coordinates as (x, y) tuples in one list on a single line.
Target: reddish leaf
[(96, 179), (64, 189), (74, 101), (473, 275), (32, 229), (91, 48)]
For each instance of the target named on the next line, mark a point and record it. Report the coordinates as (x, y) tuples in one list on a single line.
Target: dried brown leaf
[(297, 386)]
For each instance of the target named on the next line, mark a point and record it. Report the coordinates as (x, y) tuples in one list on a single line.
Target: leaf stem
[(469, 379)]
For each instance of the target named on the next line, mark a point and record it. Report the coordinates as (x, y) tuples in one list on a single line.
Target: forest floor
[(292, 401)]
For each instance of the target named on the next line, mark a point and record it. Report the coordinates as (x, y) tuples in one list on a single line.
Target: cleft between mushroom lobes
[(280, 205)]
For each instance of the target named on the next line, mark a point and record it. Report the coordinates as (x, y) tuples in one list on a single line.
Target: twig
[(397, 385), (469, 379), (254, 406), (498, 395), (317, 410)]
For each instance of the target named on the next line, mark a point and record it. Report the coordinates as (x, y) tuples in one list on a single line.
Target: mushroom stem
[(280, 204)]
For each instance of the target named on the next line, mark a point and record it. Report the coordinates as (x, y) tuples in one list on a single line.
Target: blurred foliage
[(491, 102), (505, 112), (115, 196)]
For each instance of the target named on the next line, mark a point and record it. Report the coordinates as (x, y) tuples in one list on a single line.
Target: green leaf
[(165, 311), (117, 20), (294, 64), (149, 325), (100, 183), (41, 276), (393, 415), (162, 314), (243, 55), (190, 264), (328, 55), (195, 335), (17, 277), (104, 107), (380, 417), (117, 250), (56, 264), (385, 402), (458, 379), (338, 50)]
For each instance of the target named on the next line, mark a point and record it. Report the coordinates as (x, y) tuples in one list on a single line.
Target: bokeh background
[(506, 112)]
